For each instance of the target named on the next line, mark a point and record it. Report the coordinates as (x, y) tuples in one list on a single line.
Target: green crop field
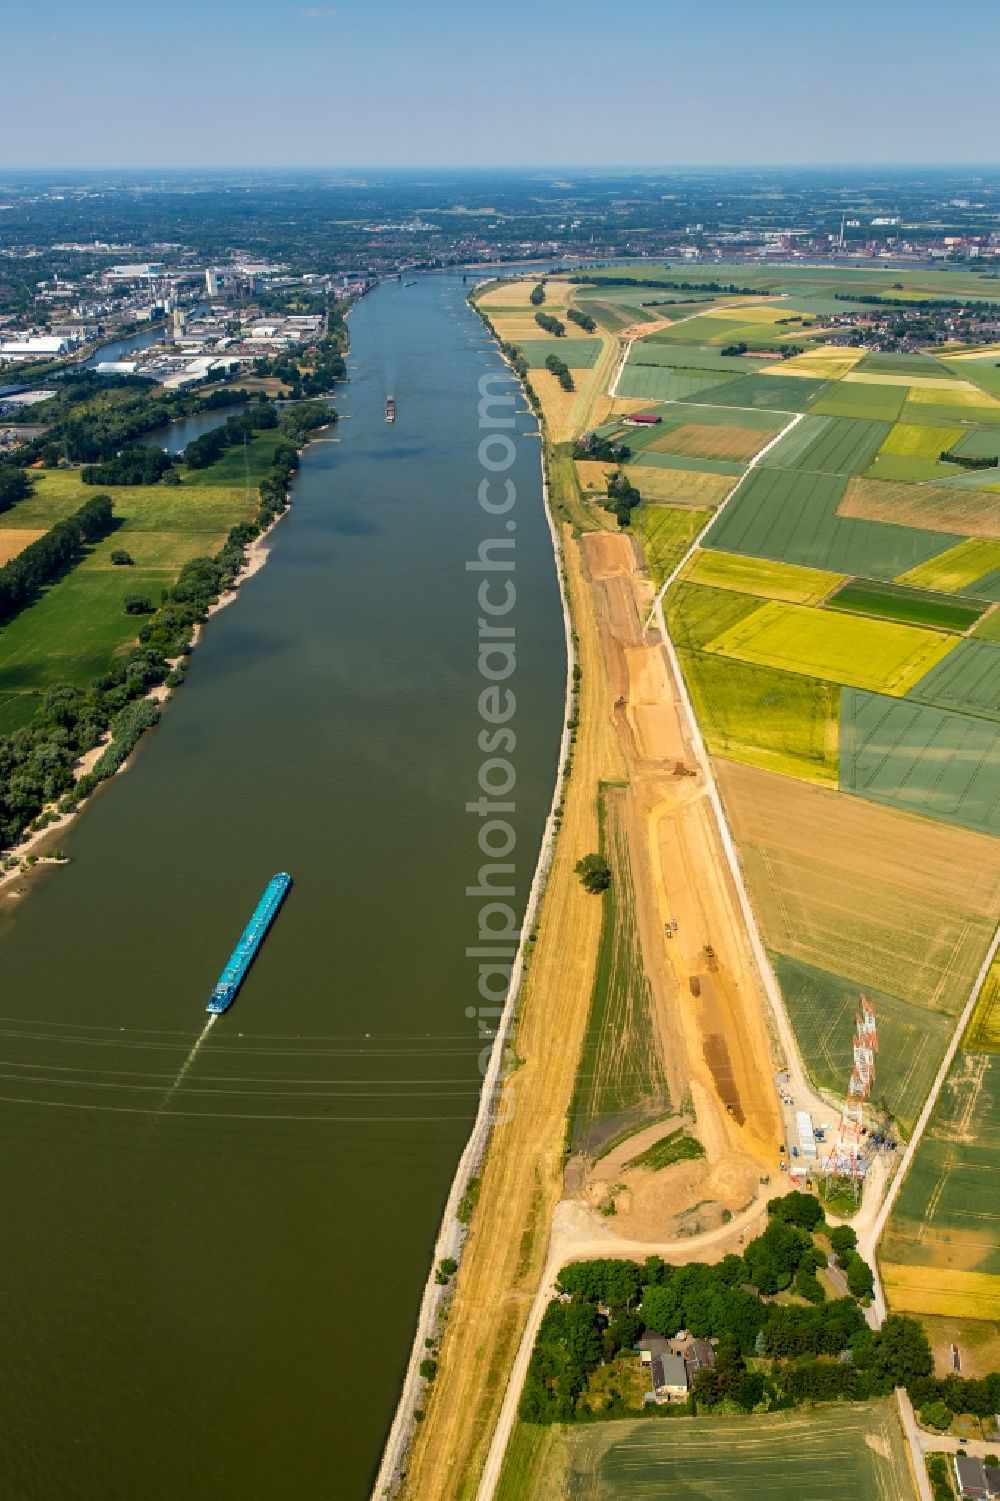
[(688, 411), (956, 569), (620, 1081), (852, 650), (665, 533), (663, 383), (927, 760), (842, 1452), (654, 351), (776, 393), (967, 680), (939, 406), (941, 1252), (980, 443), (877, 403), (841, 446), (912, 1040), (730, 570), (779, 721), (911, 606), (793, 517), (578, 354), (900, 364)]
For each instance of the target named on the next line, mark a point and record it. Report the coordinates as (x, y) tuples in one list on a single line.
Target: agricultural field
[(825, 362), (876, 403), (958, 568), (665, 533), (709, 441), (778, 721), (924, 607), (798, 518), (982, 1035), (843, 1452), (621, 1082), (904, 905), (829, 445), (822, 1007), (663, 383), (773, 393), (804, 586), (689, 487), (923, 442), (653, 350), (927, 760), (931, 508), (855, 651), (695, 615), (941, 1253), (967, 680)]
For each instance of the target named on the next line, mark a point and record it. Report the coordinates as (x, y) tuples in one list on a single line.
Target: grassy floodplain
[(71, 631), (621, 1081)]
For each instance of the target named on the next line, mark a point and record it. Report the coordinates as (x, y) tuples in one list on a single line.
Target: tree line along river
[(211, 1293)]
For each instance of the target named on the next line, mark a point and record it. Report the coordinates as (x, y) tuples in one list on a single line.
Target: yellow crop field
[(913, 439), (982, 1035), (557, 404), (935, 383), (941, 1290), (952, 393), (686, 487), (956, 568), (518, 294), (879, 655), (593, 475), (825, 363), (787, 581)]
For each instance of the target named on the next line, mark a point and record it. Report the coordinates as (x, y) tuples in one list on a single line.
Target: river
[(210, 1293)]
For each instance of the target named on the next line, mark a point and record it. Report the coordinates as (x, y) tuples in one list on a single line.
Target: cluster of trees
[(537, 295), (561, 370), (606, 450), (939, 1399), (623, 497), (132, 466), (583, 320), (942, 304), (36, 762), (550, 324), (44, 560), (968, 461), (14, 486), (768, 1354), (735, 349), (260, 416)]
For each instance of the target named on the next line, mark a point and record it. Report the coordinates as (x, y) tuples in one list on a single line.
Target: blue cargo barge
[(252, 937)]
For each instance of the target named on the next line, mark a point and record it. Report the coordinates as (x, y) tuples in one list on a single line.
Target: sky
[(144, 83)]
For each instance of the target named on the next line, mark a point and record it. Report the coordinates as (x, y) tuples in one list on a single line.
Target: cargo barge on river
[(251, 938)]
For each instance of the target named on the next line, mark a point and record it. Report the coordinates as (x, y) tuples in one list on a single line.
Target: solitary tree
[(595, 873)]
